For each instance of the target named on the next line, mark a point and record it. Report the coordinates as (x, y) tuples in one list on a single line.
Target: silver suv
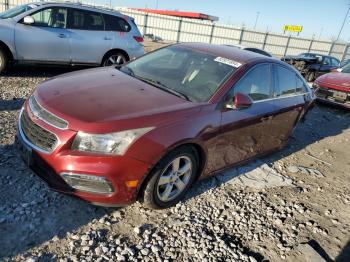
[(67, 33)]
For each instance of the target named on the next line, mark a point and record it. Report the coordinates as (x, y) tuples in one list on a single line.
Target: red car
[(334, 88), (148, 129)]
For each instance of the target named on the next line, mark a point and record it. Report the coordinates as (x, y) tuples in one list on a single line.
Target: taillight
[(138, 39)]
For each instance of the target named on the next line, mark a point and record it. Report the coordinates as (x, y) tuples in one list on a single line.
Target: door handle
[(62, 35), (107, 38)]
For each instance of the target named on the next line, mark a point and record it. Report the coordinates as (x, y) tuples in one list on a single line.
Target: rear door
[(89, 40), (245, 132), (47, 39), (119, 29), (290, 94)]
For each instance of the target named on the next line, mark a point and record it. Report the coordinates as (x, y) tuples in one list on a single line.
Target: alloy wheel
[(174, 178), (116, 59)]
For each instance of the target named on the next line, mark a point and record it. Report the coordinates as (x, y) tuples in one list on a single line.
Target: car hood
[(337, 79), (107, 100)]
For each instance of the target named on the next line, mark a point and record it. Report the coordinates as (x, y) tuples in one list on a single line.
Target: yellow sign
[(293, 28)]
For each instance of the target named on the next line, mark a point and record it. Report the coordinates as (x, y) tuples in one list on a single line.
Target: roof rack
[(90, 5)]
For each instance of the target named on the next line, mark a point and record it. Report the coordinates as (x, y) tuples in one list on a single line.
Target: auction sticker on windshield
[(227, 61)]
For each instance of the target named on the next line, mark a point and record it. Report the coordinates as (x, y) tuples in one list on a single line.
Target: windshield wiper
[(160, 85)]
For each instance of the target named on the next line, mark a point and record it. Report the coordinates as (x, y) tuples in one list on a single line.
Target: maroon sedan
[(149, 129), (334, 88)]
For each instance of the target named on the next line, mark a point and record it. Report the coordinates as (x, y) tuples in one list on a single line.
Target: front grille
[(330, 94), (36, 135), (323, 92), (45, 115)]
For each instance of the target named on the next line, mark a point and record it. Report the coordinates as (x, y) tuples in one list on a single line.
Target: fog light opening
[(88, 183)]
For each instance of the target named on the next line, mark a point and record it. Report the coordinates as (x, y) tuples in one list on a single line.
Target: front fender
[(7, 35)]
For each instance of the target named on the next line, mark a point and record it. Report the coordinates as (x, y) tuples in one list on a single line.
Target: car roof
[(236, 45), (82, 6), (230, 52)]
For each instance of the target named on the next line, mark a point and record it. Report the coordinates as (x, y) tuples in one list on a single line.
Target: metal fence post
[(211, 33), (265, 38), (287, 45), (346, 48), (7, 4), (179, 31), (145, 24), (310, 45), (241, 36), (331, 48)]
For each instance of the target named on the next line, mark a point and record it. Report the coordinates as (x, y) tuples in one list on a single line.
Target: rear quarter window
[(116, 23)]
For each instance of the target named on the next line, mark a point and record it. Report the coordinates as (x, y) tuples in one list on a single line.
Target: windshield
[(184, 72), (16, 11)]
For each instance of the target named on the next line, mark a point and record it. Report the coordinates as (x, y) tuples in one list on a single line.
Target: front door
[(47, 39), (89, 40), (244, 132)]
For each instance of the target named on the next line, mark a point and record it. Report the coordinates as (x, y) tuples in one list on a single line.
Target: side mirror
[(28, 20), (240, 101)]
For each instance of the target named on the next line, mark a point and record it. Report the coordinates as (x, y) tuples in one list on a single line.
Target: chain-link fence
[(189, 30)]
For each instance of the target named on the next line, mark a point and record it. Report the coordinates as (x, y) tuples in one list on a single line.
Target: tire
[(114, 58), (310, 77), (3, 60), (156, 193)]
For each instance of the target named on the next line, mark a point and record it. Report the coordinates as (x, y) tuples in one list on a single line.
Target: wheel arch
[(7, 49), (198, 149), (114, 50)]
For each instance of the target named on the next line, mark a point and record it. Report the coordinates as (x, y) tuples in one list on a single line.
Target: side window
[(285, 83), (256, 83), (51, 17), (335, 62), (94, 21), (86, 20), (326, 61), (115, 23)]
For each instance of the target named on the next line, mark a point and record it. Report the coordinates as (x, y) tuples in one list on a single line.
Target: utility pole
[(256, 20), (156, 4), (342, 26)]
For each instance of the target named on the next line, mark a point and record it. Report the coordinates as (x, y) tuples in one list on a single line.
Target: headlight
[(113, 143)]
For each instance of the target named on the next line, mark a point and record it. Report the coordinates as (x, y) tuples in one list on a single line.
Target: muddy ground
[(293, 205)]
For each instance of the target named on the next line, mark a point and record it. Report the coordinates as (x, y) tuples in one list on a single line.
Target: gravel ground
[(220, 220)]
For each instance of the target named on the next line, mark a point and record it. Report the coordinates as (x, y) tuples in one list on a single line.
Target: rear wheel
[(3, 60), (171, 178), (114, 58)]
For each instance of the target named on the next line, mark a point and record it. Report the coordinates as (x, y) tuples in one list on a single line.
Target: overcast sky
[(318, 17)]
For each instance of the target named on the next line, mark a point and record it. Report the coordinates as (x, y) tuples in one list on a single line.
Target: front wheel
[(3, 61), (115, 58), (171, 178)]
